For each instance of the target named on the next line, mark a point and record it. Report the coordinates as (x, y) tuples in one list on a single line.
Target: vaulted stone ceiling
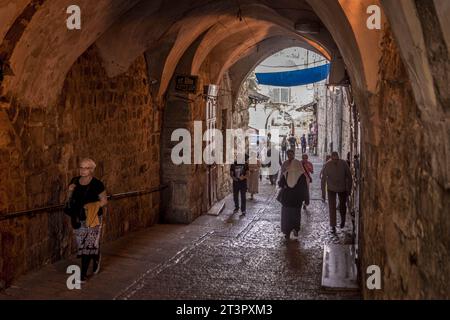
[(42, 50), (39, 50)]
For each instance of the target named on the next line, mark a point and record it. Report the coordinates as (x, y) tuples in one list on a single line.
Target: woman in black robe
[(294, 192)]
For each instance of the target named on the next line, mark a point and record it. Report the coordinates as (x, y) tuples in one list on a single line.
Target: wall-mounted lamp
[(211, 91)]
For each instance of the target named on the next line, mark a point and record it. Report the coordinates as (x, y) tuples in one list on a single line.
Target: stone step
[(217, 208), (339, 271)]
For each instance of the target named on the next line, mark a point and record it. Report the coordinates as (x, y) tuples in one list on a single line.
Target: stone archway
[(401, 90)]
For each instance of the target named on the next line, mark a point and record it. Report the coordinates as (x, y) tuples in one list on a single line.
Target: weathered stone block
[(50, 136), (87, 123)]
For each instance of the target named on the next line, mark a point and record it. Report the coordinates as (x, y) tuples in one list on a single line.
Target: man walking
[(322, 181), (338, 178), (284, 144), (292, 142), (303, 143), (239, 173)]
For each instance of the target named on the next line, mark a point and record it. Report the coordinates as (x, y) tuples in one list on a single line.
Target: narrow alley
[(215, 257), (121, 120)]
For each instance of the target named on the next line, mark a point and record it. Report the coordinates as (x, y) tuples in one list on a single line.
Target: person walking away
[(293, 192), (284, 145), (260, 150), (338, 178), (322, 181), (292, 142), (254, 173), (303, 143), (274, 170), (271, 169), (309, 170), (239, 174), (87, 195)]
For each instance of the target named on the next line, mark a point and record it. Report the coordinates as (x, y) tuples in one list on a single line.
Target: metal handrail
[(116, 196)]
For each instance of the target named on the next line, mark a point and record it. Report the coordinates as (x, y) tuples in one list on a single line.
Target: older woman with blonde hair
[(87, 195)]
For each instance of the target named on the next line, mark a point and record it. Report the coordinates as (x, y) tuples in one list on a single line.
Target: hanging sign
[(186, 83)]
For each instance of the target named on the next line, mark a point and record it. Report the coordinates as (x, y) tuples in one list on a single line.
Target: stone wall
[(111, 120), (236, 117), (12, 186), (224, 122), (241, 116), (183, 201), (12, 198), (333, 119), (405, 221), (189, 181)]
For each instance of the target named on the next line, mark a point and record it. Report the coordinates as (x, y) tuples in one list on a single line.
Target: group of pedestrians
[(294, 182), (86, 197), (291, 143)]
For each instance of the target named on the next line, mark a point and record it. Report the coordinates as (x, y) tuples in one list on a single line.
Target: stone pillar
[(182, 201)]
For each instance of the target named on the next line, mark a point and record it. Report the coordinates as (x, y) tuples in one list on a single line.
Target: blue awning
[(294, 78)]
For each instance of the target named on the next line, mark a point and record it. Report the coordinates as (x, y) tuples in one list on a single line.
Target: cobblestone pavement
[(216, 257)]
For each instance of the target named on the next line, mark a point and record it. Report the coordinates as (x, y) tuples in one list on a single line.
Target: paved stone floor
[(215, 257)]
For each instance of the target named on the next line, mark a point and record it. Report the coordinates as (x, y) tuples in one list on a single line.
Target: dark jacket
[(85, 194), (293, 197)]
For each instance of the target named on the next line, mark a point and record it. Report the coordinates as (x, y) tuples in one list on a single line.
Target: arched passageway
[(108, 91)]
